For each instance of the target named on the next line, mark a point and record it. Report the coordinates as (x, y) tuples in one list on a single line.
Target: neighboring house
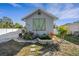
[(40, 22), (73, 27)]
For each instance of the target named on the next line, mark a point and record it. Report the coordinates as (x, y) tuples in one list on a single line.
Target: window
[(39, 24), (39, 13)]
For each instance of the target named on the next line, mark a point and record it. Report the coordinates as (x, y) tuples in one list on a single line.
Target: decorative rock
[(32, 49), (47, 54), (33, 45)]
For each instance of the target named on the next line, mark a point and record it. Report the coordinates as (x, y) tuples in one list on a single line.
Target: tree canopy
[(6, 22), (17, 25), (62, 30)]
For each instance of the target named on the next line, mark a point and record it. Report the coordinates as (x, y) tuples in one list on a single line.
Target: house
[(73, 27), (39, 21)]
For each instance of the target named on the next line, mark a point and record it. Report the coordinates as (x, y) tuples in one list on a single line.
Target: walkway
[(9, 36)]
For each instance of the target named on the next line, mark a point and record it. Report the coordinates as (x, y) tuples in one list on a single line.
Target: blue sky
[(67, 13)]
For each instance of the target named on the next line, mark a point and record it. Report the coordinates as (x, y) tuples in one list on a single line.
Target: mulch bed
[(11, 48)]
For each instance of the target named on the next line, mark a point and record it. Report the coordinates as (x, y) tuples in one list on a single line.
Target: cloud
[(70, 13), (15, 5), (69, 6), (68, 10), (54, 8), (62, 11)]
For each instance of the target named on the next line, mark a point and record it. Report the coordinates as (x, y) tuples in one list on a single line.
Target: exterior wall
[(74, 27), (4, 31), (49, 23)]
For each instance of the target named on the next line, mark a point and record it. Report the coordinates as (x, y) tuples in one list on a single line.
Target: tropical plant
[(28, 35), (62, 31), (6, 22), (44, 37)]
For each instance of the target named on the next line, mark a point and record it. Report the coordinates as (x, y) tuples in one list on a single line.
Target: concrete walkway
[(13, 36), (9, 36), (27, 41)]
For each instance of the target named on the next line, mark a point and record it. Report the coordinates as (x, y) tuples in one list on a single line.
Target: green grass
[(25, 51)]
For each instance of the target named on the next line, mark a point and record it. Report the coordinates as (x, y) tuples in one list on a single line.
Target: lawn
[(29, 50)]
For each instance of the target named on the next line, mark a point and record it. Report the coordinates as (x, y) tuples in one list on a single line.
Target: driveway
[(9, 36)]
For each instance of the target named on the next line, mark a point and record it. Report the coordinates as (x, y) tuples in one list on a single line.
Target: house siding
[(73, 27), (49, 23)]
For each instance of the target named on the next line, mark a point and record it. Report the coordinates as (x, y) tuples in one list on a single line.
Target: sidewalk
[(9, 36)]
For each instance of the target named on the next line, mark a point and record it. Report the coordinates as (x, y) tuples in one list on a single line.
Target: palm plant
[(62, 31)]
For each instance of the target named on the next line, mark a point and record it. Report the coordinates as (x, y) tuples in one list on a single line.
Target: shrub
[(31, 33), (20, 35), (76, 33), (23, 31), (36, 36), (28, 36), (44, 36), (62, 31)]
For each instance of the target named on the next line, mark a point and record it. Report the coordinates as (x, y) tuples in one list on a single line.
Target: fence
[(4, 31)]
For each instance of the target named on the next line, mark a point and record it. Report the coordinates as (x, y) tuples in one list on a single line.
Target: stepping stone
[(33, 49)]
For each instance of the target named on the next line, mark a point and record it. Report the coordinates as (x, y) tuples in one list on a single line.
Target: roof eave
[(55, 18)]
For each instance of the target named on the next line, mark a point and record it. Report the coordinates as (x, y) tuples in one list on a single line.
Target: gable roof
[(50, 15)]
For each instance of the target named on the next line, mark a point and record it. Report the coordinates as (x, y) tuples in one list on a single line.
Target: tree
[(7, 19), (6, 22), (0, 20), (62, 31), (17, 25)]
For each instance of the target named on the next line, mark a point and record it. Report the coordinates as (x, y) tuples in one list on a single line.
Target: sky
[(66, 12)]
